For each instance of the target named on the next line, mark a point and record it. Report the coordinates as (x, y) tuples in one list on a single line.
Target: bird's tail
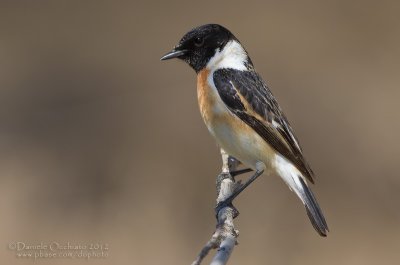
[(292, 176), (314, 212)]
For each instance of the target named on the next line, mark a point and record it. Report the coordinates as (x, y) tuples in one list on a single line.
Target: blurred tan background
[(102, 142)]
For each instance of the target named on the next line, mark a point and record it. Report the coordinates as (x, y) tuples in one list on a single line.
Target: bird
[(243, 116)]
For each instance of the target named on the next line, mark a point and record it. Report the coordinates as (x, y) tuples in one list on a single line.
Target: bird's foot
[(228, 201)]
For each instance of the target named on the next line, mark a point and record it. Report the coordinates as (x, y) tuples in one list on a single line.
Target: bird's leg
[(260, 167), (240, 172), (233, 163)]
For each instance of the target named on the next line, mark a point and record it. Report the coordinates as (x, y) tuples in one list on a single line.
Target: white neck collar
[(232, 56)]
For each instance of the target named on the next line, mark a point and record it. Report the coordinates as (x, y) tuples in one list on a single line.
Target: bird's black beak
[(175, 53)]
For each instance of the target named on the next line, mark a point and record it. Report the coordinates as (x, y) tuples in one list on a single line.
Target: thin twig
[(225, 235)]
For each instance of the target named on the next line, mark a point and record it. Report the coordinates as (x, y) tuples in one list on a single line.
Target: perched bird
[(241, 113)]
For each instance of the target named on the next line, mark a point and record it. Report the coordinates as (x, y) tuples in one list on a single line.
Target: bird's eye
[(199, 41)]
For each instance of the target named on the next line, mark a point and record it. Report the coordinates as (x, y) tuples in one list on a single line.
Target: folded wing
[(248, 97)]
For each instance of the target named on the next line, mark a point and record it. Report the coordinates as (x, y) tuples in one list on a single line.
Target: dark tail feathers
[(313, 210)]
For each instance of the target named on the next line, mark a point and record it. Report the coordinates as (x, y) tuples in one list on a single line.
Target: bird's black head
[(200, 44)]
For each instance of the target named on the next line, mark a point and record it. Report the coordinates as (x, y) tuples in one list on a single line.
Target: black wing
[(248, 97)]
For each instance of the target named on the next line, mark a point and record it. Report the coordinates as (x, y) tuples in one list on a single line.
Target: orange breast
[(205, 97), (212, 109)]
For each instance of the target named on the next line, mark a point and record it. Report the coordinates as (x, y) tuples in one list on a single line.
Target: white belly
[(242, 142)]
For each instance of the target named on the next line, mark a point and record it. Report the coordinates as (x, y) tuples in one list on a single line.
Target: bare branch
[(225, 235)]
